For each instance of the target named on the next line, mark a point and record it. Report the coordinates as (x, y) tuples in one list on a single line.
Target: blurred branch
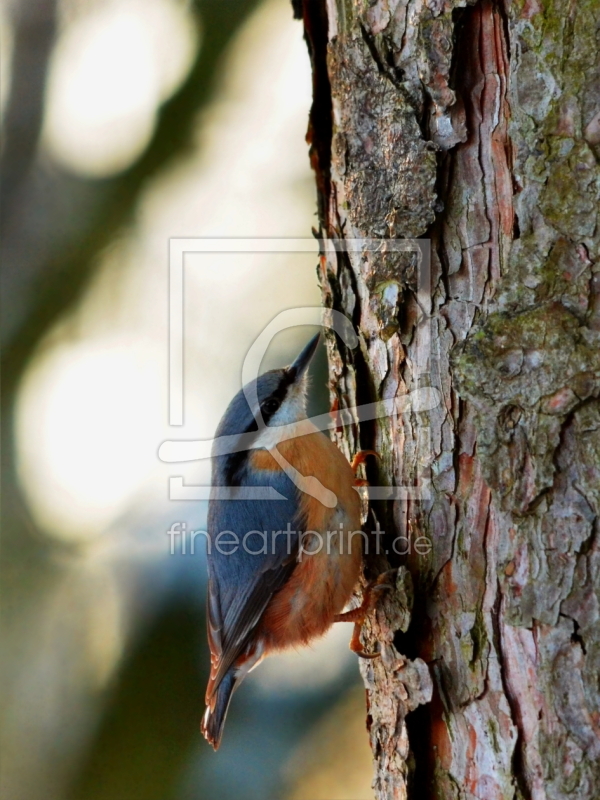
[(34, 24)]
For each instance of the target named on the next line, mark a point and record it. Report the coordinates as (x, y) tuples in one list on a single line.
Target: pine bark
[(477, 127)]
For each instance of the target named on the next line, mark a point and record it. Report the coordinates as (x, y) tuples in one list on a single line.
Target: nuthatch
[(278, 591)]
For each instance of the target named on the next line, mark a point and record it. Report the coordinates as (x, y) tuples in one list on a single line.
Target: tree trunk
[(476, 127)]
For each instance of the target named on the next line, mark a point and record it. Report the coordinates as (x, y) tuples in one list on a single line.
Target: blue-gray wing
[(241, 583)]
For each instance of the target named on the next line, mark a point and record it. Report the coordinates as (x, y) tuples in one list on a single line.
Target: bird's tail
[(216, 710)]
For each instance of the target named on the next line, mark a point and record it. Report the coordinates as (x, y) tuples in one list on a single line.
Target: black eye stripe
[(235, 463), (277, 397)]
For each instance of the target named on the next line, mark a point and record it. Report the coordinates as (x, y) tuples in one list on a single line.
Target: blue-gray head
[(276, 398)]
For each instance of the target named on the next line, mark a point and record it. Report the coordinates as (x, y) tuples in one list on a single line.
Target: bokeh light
[(110, 70), (87, 420)]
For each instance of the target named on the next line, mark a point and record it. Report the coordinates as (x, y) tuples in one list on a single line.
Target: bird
[(263, 599)]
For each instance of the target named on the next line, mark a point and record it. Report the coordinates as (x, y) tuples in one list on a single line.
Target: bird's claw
[(369, 656), (361, 457), (357, 615)]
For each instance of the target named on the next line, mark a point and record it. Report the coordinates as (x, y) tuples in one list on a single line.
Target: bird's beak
[(300, 365)]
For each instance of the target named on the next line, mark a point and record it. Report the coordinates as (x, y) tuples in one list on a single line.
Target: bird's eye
[(270, 406)]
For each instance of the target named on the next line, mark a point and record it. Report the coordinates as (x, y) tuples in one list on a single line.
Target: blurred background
[(125, 123)]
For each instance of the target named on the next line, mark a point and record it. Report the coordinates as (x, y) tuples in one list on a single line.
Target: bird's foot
[(361, 457), (358, 615)]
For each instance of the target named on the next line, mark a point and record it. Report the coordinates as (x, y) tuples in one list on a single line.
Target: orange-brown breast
[(323, 581)]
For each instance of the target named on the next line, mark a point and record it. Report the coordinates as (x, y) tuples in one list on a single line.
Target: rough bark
[(478, 127)]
